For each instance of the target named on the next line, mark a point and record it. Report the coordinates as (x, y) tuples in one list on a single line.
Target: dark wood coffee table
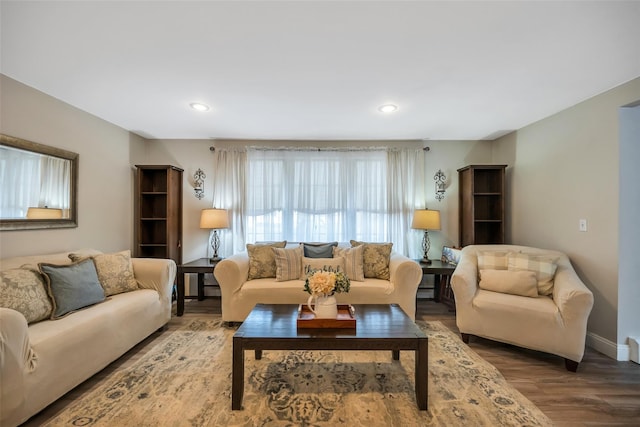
[(378, 327)]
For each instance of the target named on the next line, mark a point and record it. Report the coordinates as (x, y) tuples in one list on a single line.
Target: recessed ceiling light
[(388, 108), (199, 107)]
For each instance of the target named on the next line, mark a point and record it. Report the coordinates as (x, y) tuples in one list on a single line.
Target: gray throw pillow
[(319, 250), (72, 287)]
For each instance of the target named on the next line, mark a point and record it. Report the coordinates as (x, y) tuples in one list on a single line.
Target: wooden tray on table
[(307, 320)]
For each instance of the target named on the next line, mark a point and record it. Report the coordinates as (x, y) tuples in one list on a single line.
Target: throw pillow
[(493, 260), (262, 261), (24, 290), (72, 287), (319, 250), (354, 261), (327, 264), (288, 263), (115, 271), (376, 259), (544, 266), (523, 283)]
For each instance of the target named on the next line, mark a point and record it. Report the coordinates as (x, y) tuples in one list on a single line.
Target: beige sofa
[(555, 324), (40, 362), (240, 295)]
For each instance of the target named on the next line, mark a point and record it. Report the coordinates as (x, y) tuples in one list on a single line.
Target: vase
[(326, 307)]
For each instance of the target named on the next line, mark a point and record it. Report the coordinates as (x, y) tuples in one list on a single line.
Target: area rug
[(185, 380)]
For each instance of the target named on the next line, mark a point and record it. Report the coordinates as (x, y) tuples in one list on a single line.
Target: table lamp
[(214, 219), (425, 219), (44, 213)]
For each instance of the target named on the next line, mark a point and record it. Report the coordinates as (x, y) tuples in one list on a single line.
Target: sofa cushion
[(523, 283), (354, 261), (319, 250), (493, 260), (327, 264), (544, 267), (115, 271), (72, 287), (24, 290), (288, 263), (262, 260), (376, 259)]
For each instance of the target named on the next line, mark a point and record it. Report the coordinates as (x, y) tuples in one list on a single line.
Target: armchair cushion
[(523, 283)]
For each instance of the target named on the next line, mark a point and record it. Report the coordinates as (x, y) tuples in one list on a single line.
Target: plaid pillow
[(544, 266), (493, 260)]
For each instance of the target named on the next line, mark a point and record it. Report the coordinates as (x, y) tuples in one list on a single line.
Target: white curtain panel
[(19, 182), (55, 181), (229, 191)]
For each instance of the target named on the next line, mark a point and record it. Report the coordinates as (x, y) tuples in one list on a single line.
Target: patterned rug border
[(169, 385)]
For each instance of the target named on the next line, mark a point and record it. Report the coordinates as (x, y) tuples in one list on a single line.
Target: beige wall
[(105, 176), (564, 168)]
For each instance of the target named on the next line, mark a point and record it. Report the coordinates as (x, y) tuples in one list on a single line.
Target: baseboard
[(619, 352)]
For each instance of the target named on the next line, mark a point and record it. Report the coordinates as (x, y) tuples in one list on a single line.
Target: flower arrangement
[(320, 282)]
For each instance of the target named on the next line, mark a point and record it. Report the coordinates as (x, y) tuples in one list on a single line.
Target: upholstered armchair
[(523, 296)]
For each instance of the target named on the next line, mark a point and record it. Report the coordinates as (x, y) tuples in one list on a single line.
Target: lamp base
[(425, 261), (215, 259)]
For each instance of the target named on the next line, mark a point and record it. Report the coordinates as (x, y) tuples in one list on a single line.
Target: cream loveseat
[(239, 295), (552, 319), (42, 360)]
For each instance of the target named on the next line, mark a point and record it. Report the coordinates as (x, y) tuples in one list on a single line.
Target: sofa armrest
[(404, 272), (232, 272), (464, 280), (155, 273), (573, 298), (16, 359)]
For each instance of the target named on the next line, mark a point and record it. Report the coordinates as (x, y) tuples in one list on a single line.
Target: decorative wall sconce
[(440, 179), (198, 183)]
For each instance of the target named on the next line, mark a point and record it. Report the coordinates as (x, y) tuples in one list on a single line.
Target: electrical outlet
[(582, 225)]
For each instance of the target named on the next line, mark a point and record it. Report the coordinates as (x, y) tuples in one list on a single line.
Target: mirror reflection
[(37, 185)]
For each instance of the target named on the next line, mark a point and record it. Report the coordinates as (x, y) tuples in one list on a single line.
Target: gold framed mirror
[(38, 186)]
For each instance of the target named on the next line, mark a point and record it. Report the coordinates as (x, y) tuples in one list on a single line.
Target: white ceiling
[(319, 69)]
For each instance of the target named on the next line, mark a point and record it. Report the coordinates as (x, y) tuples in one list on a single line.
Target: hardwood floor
[(603, 392)]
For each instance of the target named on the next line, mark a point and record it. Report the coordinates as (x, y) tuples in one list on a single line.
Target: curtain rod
[(317, 149)]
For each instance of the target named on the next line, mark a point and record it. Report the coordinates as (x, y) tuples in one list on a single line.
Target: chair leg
[(465, 337), (571, 365)]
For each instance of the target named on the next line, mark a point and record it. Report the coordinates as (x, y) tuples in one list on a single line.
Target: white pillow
[(354, 261), (327, 264), (523, 283)]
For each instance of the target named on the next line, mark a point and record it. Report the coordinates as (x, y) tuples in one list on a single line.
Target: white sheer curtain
[(229, 191), (55, 182), (19, 182), (319, 195)]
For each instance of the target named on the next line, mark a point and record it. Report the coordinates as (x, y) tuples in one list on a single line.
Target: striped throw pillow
[(288, 263), (354, 261)]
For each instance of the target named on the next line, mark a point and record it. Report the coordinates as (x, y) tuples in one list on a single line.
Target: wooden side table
[(200, 266), (442, 272)]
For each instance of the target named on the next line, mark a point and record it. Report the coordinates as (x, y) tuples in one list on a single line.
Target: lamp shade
[(44, 213), (214, 218), (425, 219)]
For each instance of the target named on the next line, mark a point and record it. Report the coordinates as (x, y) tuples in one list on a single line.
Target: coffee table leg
[(395, 354), (258, 354), (237, 376), (422, 374)]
